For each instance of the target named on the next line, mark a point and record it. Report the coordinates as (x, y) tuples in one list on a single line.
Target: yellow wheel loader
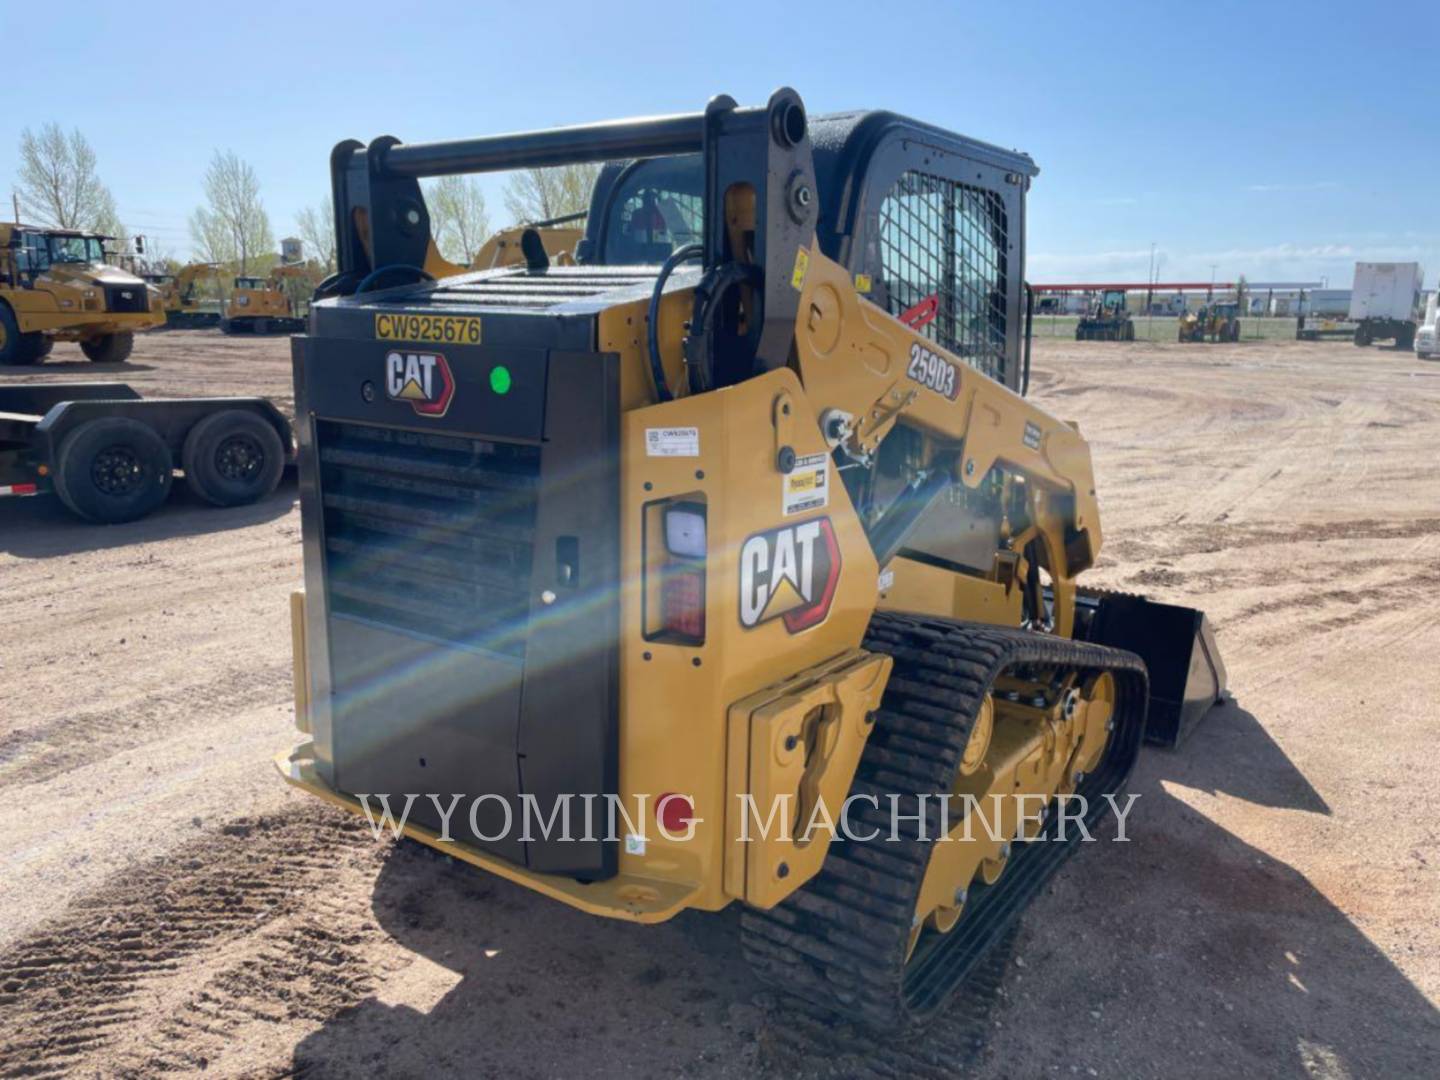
[(504, 248), (1215, 323), (56, 286), (692, 575)]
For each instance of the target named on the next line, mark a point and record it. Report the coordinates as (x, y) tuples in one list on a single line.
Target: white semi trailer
[(1383, 302)]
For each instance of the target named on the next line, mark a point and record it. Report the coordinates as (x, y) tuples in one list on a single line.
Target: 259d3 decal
[(789, 573), (933, 372)]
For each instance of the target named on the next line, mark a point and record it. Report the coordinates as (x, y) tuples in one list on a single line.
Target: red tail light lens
[(682, 594), (682, 602)]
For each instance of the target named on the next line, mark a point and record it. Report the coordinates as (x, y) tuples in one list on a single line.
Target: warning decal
[(805, 487)]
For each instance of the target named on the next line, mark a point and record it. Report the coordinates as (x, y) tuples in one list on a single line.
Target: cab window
[(944, 265), (656, 208), (37, 251)]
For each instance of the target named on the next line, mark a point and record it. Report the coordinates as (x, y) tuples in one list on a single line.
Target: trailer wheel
[(113, 469), (233, 457), (109, 348), (1362, 336)]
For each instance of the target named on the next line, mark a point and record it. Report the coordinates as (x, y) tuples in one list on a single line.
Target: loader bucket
[(1187, 676)]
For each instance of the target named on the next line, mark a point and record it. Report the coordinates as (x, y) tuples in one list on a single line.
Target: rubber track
[(839, 941)]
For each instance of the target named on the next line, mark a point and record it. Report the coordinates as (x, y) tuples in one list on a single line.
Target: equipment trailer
[(110, 455)]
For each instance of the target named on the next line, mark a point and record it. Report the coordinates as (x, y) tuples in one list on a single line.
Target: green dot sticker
[(500, 379)]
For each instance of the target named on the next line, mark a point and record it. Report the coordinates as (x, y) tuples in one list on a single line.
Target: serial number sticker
[(672, 442), (887, 579), (804, 487), (802, 267), (1032, 435), (450, 329), (933, 372)]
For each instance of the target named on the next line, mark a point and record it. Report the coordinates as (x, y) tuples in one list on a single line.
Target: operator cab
[(929, 222), (37, 250)]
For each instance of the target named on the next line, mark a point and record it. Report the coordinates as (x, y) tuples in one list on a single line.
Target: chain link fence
[(1166, 328)]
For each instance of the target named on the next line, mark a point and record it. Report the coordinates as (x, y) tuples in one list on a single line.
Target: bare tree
[(210, 238), (542, 194), (316, 225), (458, 217), (108, 223), (58, 182), (235, 212)]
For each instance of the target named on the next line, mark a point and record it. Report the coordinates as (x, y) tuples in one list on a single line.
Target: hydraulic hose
[(652, 337), (368, 278)]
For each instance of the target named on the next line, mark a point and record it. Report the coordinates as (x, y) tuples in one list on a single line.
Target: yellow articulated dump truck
[(56, 286), (690, 575)]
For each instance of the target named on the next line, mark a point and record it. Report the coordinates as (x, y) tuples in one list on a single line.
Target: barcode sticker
[(672, 442)]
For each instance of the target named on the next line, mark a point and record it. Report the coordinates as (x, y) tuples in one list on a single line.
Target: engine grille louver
[(516, 288), (429, 534)]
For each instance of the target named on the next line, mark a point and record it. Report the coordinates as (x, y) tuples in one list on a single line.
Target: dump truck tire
[(17, 349), (113, 469), (110, 348), (232, 458)]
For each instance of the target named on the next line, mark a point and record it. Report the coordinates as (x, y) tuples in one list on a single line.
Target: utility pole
[(1150, 281), (15, 198)]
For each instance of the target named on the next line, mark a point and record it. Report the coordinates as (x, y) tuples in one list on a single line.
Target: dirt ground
[(169, 905)]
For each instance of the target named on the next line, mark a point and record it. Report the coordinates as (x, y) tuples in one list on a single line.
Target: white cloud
[(1317, 185), (1272, 262)]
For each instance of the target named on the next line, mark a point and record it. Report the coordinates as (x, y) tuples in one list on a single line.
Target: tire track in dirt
[(36, 754), (110, 983)]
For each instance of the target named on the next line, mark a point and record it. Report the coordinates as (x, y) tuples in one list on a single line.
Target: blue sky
[(1282, 141)]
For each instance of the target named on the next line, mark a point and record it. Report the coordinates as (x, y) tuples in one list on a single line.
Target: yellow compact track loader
[(691, 575), (56, 286)]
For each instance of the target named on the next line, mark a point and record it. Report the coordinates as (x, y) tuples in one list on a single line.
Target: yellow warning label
[(802, 265), (862, 282)]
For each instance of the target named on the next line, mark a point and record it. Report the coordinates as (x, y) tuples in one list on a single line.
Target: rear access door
[(459, 507)]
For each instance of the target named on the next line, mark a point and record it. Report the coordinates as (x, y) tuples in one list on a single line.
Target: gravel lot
[(170, 905)]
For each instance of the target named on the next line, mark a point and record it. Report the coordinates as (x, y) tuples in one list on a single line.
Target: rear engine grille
[(516, 288), (120, 298), (429, 534)]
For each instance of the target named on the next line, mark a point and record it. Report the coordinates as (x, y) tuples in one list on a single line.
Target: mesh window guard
[(943, 239)]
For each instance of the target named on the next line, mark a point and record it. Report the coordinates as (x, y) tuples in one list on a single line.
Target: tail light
[(681, 572)]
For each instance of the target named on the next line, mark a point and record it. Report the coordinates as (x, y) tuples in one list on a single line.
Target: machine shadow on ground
[(41, 527), (1231, 961)]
